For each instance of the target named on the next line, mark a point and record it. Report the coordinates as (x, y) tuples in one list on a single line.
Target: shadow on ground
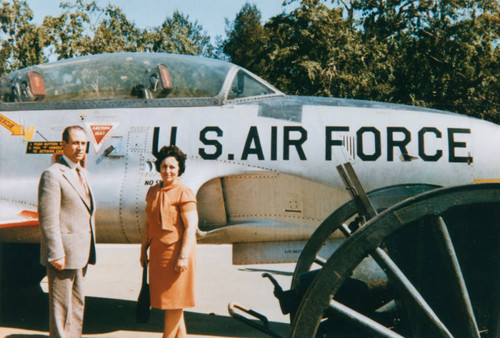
[(274, 272), (28, 309)]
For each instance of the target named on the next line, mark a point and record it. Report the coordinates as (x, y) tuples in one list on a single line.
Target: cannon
[(417, 261)]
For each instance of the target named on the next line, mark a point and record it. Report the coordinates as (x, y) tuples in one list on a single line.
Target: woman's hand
[(190, 222), (182, 265), (144, 256)]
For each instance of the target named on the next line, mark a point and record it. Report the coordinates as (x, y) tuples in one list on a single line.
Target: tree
[(446, 53), (86, 28), (22, 42), (180, 36), (115, 33), (440, 54), (314, 50), (246, 39), (68, 33)]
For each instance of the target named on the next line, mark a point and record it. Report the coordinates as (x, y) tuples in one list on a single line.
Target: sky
[(210, 14)]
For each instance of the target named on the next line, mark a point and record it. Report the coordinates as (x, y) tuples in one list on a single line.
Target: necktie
[(83, 183)]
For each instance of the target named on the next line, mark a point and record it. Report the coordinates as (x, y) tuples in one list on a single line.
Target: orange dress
[(168, 288)]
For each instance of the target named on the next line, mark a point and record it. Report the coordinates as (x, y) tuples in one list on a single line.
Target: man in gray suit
[(66, 214)]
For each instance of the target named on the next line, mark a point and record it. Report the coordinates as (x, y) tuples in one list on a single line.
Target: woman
[(170, 235)]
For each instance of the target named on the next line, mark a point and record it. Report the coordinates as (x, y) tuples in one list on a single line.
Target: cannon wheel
[(381, 199), (442, 264)]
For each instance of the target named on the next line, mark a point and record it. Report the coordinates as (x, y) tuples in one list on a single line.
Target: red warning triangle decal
[(100, 133)]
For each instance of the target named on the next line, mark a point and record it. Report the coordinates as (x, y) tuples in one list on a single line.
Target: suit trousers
[(66, 301)]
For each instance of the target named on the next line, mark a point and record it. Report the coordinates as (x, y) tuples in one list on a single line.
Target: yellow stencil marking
[(28, 134), (486, 180), (13, 127)]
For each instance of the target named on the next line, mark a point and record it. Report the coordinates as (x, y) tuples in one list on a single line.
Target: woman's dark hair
[(171, 151)]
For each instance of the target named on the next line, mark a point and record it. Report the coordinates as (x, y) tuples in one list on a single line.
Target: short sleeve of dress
[(150, 195), (187, 201)]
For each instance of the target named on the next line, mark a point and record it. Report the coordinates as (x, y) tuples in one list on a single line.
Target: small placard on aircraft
[(100, 133), (44, 147)]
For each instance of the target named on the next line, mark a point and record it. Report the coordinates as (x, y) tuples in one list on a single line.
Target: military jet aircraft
[(263, 164)]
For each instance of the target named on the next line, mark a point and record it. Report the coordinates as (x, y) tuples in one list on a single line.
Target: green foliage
[(21, 41), (180, 36), (440, 54), (86, 28), (116, 33), (446, 52), (315, 51), (68, 32), (83, 28), (246, 38)]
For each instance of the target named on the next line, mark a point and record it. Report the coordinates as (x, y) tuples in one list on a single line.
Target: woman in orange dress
[(170, 235)]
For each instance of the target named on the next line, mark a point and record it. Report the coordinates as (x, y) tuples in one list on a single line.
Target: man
[(66, 213)]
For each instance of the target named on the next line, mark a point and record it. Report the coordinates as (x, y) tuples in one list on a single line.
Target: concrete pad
[(113, 285)]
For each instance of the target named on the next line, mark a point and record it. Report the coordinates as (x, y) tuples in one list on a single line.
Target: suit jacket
[(66, 217)]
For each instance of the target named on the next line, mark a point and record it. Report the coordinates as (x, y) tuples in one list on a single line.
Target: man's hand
[(59, 263)]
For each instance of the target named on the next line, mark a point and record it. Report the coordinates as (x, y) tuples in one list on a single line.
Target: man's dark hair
[(171, 151), (67, 130)]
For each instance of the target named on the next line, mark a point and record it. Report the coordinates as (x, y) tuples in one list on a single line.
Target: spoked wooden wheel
[(439, 250), (380, 198)]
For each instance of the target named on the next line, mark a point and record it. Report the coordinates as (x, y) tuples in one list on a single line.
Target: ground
[(112, 287)]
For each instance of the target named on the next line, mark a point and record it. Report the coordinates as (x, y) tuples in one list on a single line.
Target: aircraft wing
[(264, 241), (12, 216), (18, 223)]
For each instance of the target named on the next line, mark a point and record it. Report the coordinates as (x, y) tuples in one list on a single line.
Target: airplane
[(262, 163)]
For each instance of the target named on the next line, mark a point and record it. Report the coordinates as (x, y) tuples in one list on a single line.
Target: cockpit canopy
[(133, 76)]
